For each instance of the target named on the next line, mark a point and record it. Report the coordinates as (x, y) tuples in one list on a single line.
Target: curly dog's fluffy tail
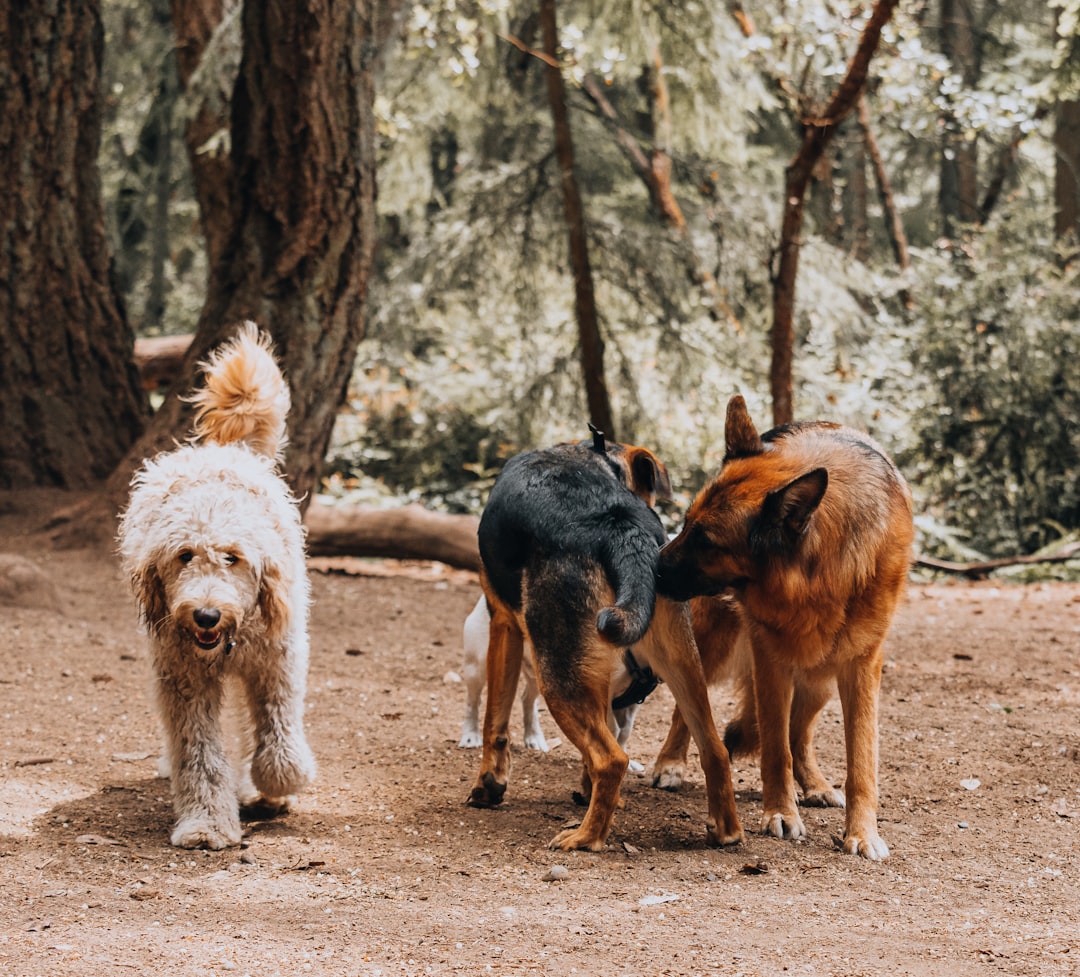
[(245, 397)]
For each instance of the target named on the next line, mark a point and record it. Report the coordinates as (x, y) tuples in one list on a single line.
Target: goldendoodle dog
[(213, 544)]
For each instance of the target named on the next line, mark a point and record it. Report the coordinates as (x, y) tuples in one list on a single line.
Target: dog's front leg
[(671, 650), (203, 790), (774, 688), (860, 683), (505, 647), (282, 763)]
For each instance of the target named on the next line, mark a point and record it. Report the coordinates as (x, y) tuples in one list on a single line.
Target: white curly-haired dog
[(214, 546)]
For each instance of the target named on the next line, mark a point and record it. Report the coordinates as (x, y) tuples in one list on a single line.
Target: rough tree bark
[(194, 24), (591, 343), (70, 399), (817, 131), (301, 218)]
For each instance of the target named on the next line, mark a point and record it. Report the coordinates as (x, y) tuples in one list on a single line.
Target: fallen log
[(980, 569), (159, 359), (408, 532)]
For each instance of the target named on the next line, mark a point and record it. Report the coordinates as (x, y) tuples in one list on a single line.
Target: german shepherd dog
[(569, 545), (809, 527)]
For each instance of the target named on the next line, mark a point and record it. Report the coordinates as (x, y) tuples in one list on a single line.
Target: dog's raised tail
[(631, 568), (245, 397)]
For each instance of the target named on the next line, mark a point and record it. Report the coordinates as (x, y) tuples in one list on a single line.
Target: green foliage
[(996, 445)]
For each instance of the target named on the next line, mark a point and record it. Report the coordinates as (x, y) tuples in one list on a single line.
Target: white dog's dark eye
[(230, 559), (186, 556)]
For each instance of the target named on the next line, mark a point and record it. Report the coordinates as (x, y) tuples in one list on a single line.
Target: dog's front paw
[(729, 836), (782, 824), (825, 797), (200, 831), (471, 738), (668, 776), (573, 839), (488, 792), (535, 740), (279, 771), (869, 845)]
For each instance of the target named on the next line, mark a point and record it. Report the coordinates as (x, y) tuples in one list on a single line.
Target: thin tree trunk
[(157, 293), (71, 402), (959, 192), (856, 200), (816, 136), (1067, 169), (592, 345), (1005, 167), (194, 24), (661, 197), (893, 224)]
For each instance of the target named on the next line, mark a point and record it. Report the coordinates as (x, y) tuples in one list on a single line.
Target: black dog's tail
[(629, 562)]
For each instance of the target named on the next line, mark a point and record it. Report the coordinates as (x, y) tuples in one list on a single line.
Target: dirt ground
[(382, 869)]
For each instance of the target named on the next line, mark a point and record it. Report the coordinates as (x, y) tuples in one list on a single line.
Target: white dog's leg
[(530, 704), (474, 672), (282, 763), (203, 789), (621, 722)]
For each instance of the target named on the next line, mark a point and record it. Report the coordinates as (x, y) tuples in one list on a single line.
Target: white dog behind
[(213, 544), (474, 673)]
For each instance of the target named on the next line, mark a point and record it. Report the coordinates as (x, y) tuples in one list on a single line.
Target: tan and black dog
[(569, 545), (809, 528)]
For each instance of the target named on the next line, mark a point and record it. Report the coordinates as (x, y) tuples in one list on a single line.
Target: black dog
[(569, 545)]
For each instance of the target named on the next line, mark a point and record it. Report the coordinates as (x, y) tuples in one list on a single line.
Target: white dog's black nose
[(206, 617)]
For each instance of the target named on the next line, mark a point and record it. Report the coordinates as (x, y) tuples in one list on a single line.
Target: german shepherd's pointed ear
[(741, 439), (649, 478), (788, 509)]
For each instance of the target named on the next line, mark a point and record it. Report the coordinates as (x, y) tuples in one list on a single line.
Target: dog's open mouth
[(207, 640)]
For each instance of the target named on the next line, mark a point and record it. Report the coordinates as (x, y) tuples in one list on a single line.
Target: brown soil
[(382, 869)]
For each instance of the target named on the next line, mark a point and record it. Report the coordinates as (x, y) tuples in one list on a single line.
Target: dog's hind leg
[(860, 682), (670, 649), (583, 718), (505, 648), (806, 704), (282, 763), (203, 788)]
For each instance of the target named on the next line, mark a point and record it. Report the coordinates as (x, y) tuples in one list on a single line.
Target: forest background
[(937, 298)]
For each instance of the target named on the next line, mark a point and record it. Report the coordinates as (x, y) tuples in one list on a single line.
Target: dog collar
[(642, 683)]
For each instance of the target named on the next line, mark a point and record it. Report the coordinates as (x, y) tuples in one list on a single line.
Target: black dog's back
[(558, 516)]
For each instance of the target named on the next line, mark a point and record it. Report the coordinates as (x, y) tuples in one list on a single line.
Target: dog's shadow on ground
[(136, 817)]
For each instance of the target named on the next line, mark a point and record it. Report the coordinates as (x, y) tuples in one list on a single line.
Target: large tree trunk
[(592, 345), (70, 399), (301, 218), (817, 132)]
